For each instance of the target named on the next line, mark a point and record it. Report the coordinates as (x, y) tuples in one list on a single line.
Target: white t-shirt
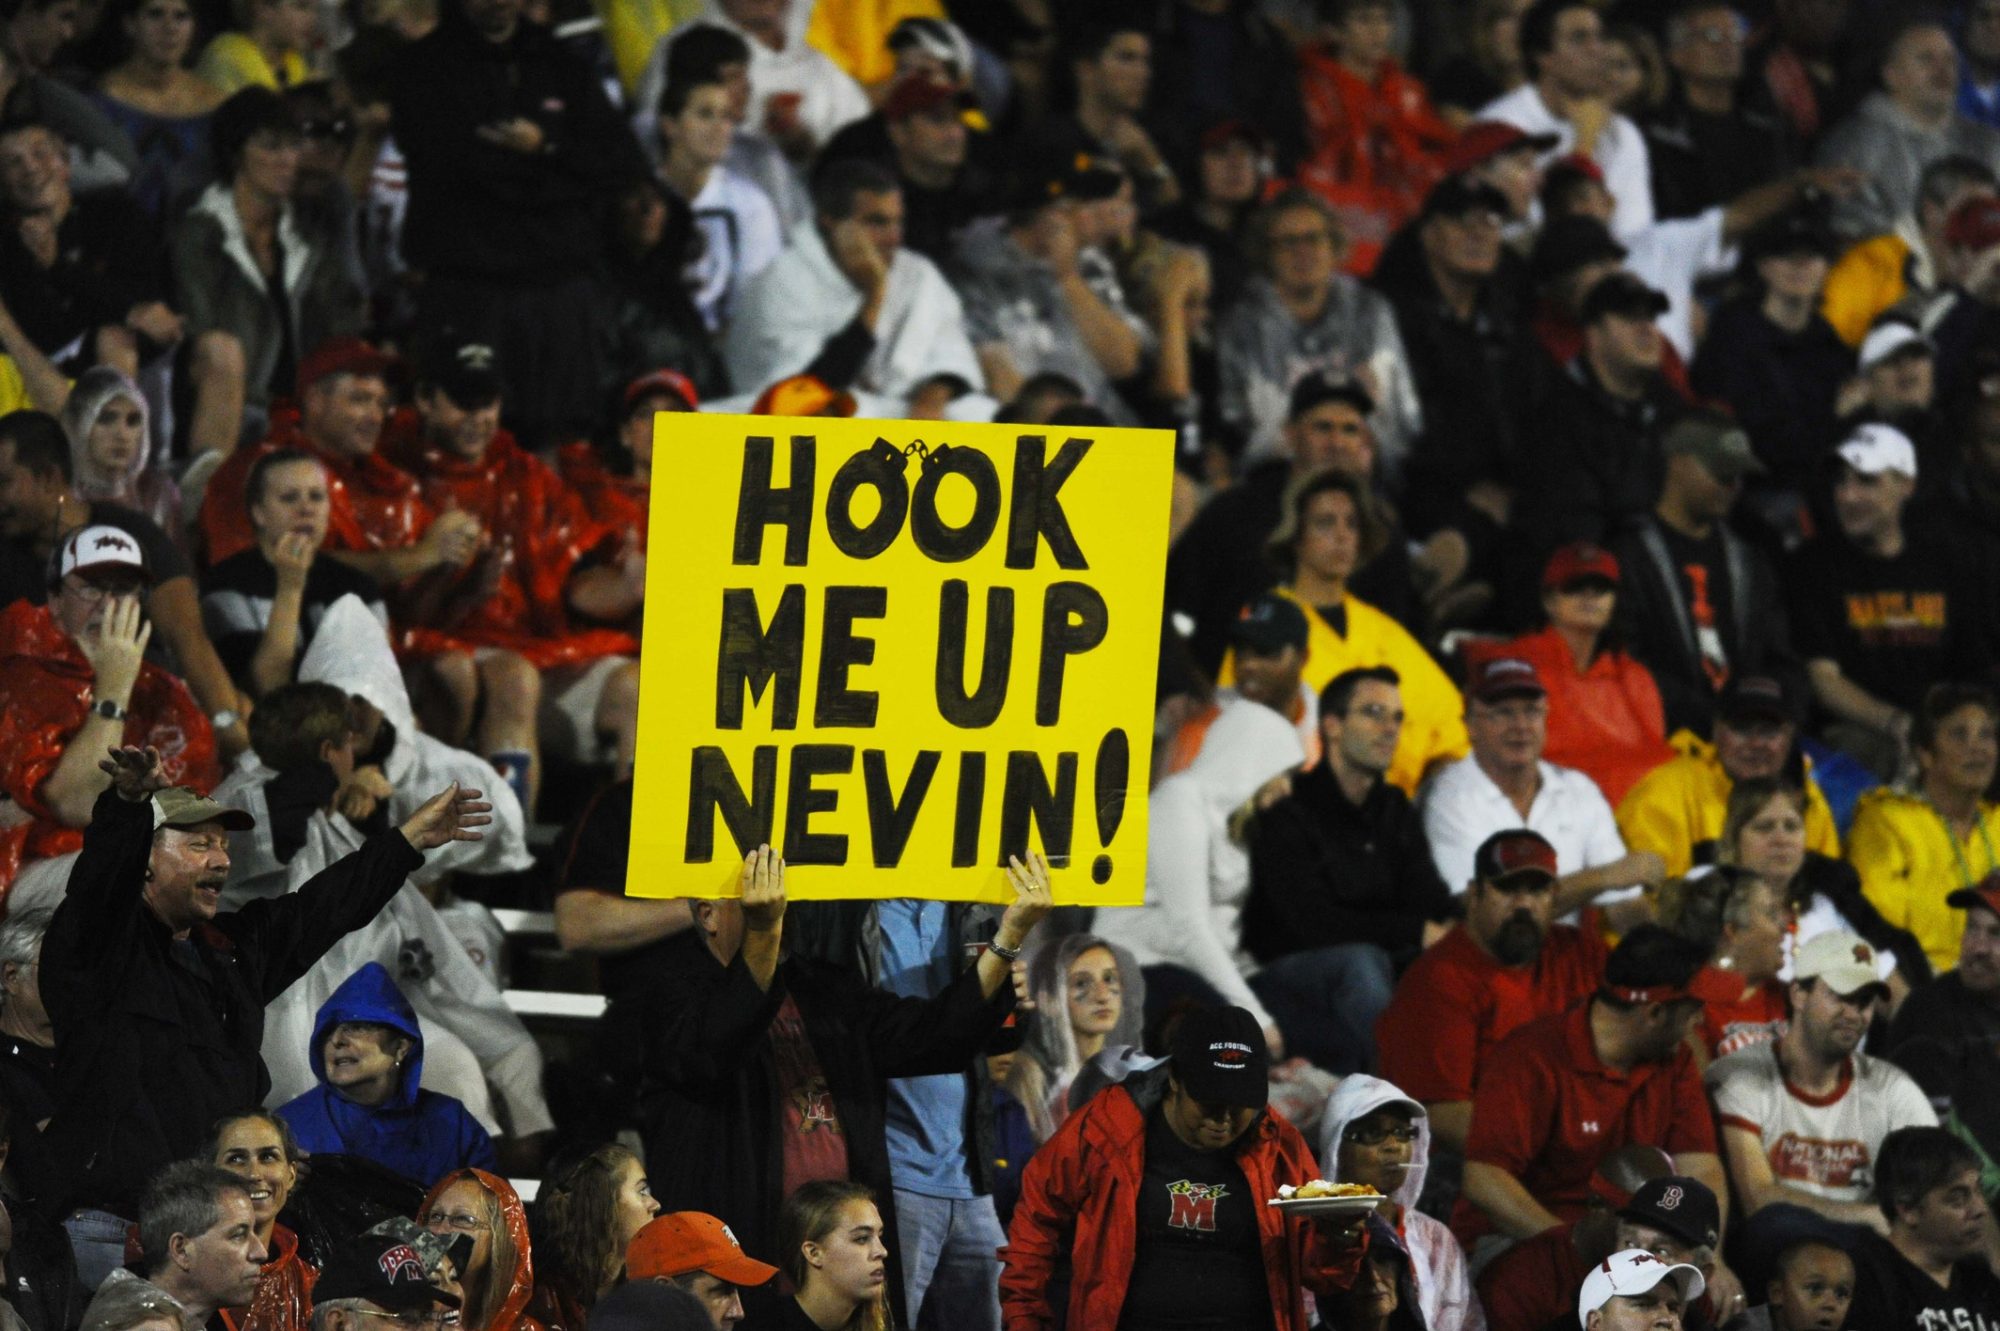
[(1621, 152), (1672, 256), (1824, 1147), (740, 236), (1462, 807)]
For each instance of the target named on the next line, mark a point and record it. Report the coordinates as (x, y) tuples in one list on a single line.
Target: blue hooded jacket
[(420, 1134)]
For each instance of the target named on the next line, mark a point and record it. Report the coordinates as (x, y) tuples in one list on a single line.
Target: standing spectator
[(1897, 132), (497, 1279), (1744, 921), (257, 1147), (1907, 260), (1699, 606), (739, 228), (295, 290), (1931, 1269), (268, 50), (1941, 835), (1342, 885), (1796, 61), (1710, 141), (1504, 965), (1941, 1035), (1562, 42), (1489, 67), (198, 1239), (110, 442), (1089, 997), (513, 154), (1505, 783), (1301, 314), (846, 302), (1803, 1117), (161, 105), (74, 681)]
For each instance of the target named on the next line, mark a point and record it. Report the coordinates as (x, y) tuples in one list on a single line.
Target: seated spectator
[(295, 291), (1897, 386), (1931, 1267), (1187, 936), (839, 1285), (1711, 140), (594, 1205), (928, 146), (1505, 783), (499, 635), (257, 1147), (1699, 605), (380, 1278), (1564, 1090), (1881, 611), (1267, 647), (1329, 529), (1942, 834), (846, 302), (1490, 65), (1906, 261), (1374, 145), (266, 50), (1634, 1288), (615, 479), (1342, 885), (697, 1253), (110, 443), (1501, 967), (1040, 294), (739, 228), (1109, 59), (1635, 75), (1571, 254), (643, 290), (1301, 314), (1678, 810), (74, 682), (1195, 1124), (162, 106), (702, 51), (1803, 1116), (1812, 1285), (198, 1239), (1897, 132), (1562, 43), (263, 605), (1235, 64), (929, 49), (1966, 510), (1942, 1035), (27, 1040), (1742, 919), (497, 1280), (1089, 997), (1229, 177), (128, 1303), (1373, 1134)]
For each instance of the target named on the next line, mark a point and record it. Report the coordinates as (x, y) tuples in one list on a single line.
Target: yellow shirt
[(13, 391), (1910, 862), (1433, 711), (854, 34), (232, 62), (1681, 804), (1867, 280), (632, 28)]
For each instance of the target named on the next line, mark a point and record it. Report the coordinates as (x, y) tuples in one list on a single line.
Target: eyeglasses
[(464, 1224), (335, 127), (86, 589), (1362, 1134)]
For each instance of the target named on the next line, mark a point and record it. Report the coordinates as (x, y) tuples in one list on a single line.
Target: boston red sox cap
[(1677, 1205)]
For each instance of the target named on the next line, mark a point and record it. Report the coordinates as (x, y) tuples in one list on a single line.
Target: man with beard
[(1945, 1032), (1931, 1270), (1803, 1116), (1501, 967)]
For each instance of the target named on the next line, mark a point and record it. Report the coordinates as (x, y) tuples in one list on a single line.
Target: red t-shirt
[(1606, 720), (1456, 1002), (1730, 1021), (1533, 1283), (1548, 1109), (815, 1145)]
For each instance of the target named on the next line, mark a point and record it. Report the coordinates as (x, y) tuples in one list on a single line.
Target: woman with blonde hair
[(498, 1277), (830, 1246), (1089, 997), (593, 1201), (1743, 921)]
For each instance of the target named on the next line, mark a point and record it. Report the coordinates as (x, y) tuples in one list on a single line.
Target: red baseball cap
[(1234, 131), (1498, 678), (663, 380), (1578, 562), (1514, 851), (1581, 163), (341, 355), (1484, 140), (683, 1242), (1974, 224), (920, 93), (1986, 892)]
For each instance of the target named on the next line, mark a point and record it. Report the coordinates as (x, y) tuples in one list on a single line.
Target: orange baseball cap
[(683, 1242)]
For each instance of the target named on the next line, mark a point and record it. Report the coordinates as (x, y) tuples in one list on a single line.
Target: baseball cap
[(1501, 677), (683, 1242), (1677, 1205), (1844, 960), (1080, 176), (1219, 1058), (1483, 140), (938, 38), (101, 548), (803, 395), (1718, 443), (1754, 698), (1874, 448), (1455, 196), (467, 372), (1795, 231), (920, 93), (1234, 130), (1974, 224), (340, 355), (1578, 164), (669, 381), (1568, 243), (1268, 625), (1313, 389), (383, 1270), (1986, 892), (1514, 851), (1625, 294), (1580, 562), (1890, 340), (1633, 1271), (178, 806)]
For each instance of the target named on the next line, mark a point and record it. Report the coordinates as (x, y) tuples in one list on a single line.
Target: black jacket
[(155, 1039), (1592, 460), (1781, 386), (1701, 160), (1944, 1035), (1323, 871), (710, 1096), (480, 210)]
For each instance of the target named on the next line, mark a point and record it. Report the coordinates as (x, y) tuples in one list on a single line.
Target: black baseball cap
[(1080, 176), (1678, 1205), (1568, 243), (1455, 196), (1625, 294), (383, 1269), (1801, 230), (1268, 625), (466, 371), (1754, 698), (1313, 389), (1220, 1058)]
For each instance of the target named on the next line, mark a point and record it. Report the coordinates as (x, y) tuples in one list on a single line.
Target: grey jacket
[(1892, 152)]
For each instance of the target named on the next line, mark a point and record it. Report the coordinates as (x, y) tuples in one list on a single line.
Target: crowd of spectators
[(1577, 760)]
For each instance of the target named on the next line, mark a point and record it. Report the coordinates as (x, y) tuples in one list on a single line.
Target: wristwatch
[(223, 719), (108, 709)]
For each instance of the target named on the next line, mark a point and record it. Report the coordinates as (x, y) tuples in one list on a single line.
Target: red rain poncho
[(283, 1301), (513, 1315)]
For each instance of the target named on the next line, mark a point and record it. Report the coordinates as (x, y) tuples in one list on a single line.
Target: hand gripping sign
[(899, 652)]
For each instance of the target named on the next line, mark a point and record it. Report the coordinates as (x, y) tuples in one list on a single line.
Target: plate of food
[(1322, 1198)]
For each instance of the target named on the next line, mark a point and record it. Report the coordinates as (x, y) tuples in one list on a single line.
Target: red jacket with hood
[(1079, 1198), (512, 1314)]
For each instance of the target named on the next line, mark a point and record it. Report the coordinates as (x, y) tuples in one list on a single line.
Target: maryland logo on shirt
[(1913, 619), (1830, 1164), (814, 1103), (1193, 1205)]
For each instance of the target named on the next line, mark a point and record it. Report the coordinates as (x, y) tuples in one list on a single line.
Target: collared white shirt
[(1462, 807), (1621, 152)]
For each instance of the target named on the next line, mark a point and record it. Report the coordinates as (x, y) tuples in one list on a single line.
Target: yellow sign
[(899, 651)]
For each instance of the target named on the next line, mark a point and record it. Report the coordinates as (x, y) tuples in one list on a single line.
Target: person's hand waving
[(763, 890), (1033, 900), (135, 772), (450, 815)]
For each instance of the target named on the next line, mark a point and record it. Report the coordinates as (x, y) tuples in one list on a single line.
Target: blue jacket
[(420, 1134)]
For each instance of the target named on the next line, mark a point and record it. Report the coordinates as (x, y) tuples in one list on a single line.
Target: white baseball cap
[(1845, 961), (1633, 1271), (98, 549), (1893, 338), (1875, 448)]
